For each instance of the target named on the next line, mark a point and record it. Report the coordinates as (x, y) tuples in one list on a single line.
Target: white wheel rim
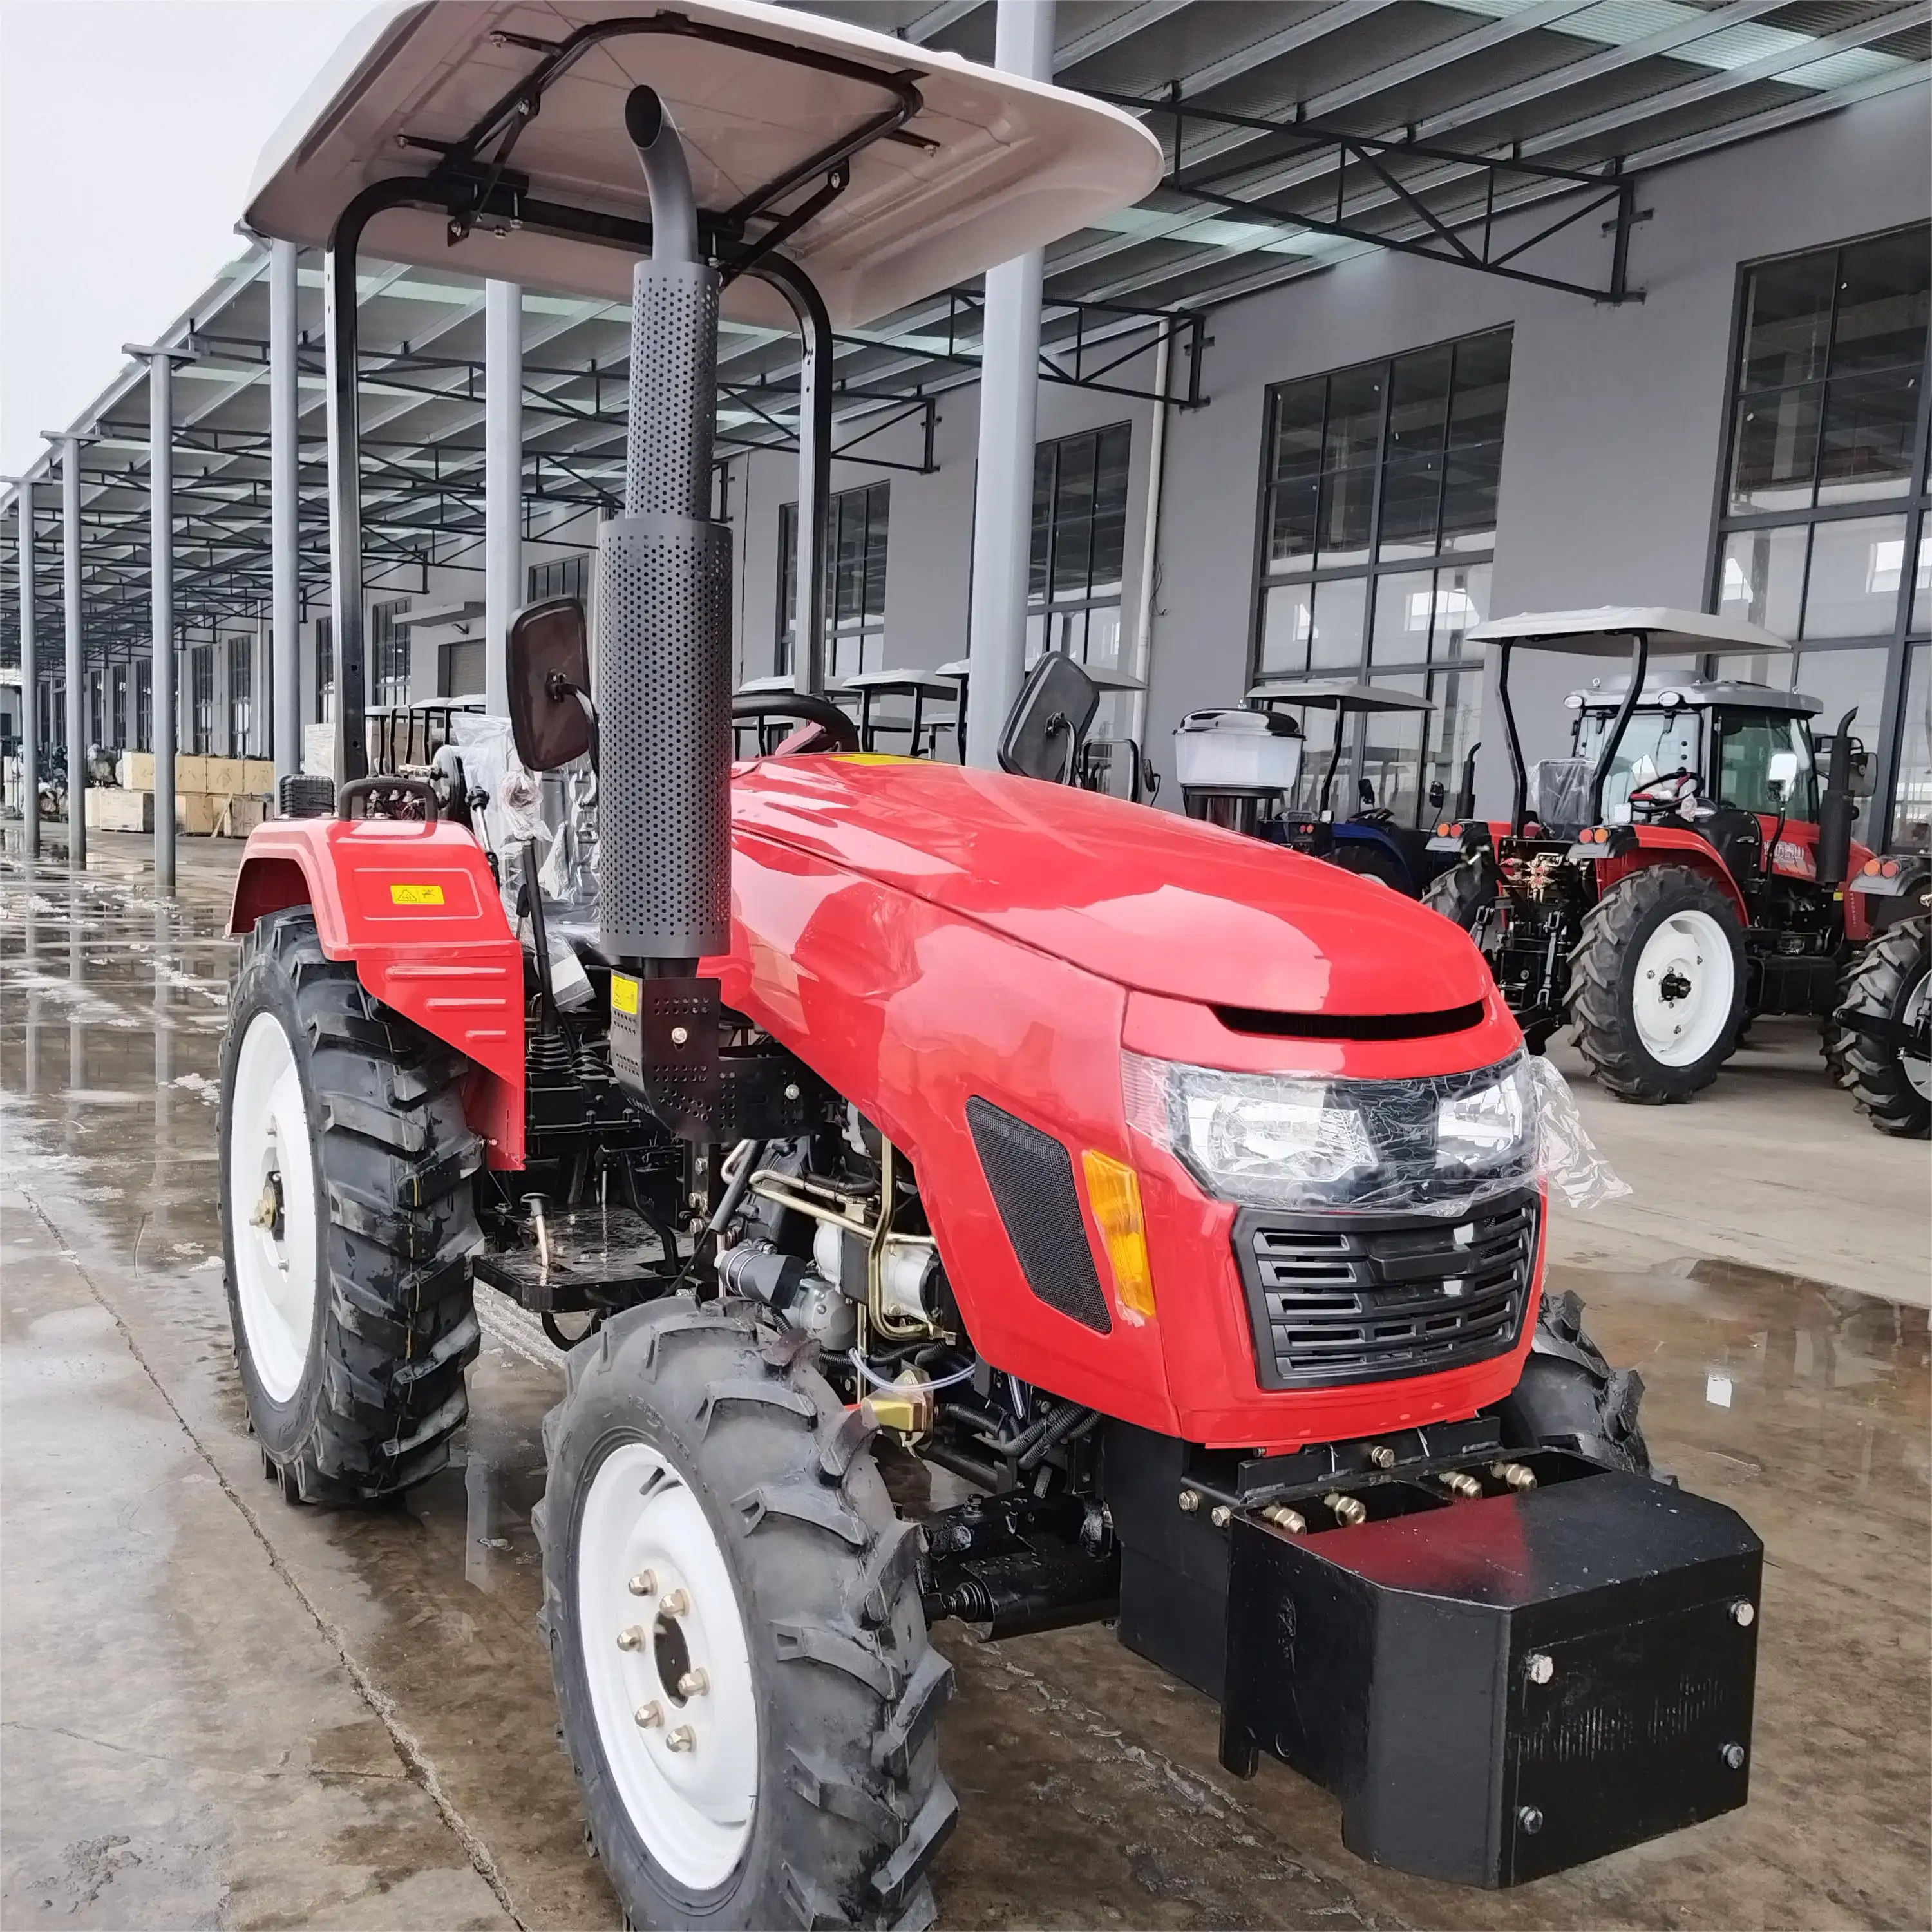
[(1680, 998), (1918, 1072), (272, 1206), (691, 1807)]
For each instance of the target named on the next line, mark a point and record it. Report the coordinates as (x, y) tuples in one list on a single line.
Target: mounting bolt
[(678, 1035), (693, 1684), (1220, 1516), (1542, 1667), (1348, 1509), (677, 1604), (644, 1583), (791, 1092), (1733, 1756), (649, 1715), (683, 1738), (1190, 1501), (1743, 1613), (1529, 1819), (631, 1637), (1382, 1456)]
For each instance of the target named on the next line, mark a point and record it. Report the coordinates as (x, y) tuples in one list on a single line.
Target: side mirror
[(1049, 723), (1781, 775), (1365, 790), (551, 719), (1863, 774), (1437, 795)]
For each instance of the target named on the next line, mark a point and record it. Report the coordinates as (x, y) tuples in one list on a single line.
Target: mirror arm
[(560, 688)]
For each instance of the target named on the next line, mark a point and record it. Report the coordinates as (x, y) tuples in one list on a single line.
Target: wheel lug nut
[(693, 1684), (644, 1583), (631, 1637), (677, 1604), (683, 1738), (649, 1714)]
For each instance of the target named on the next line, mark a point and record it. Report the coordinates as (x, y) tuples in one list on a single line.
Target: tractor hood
[(1148, 899)]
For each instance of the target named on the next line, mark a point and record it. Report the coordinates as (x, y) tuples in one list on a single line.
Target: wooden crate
[(137, 771), (240, 812), (110, 808), (197, 812)]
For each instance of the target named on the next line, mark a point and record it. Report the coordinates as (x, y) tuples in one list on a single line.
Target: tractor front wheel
[(1570, 1398), (1656, 985), (1460, 893), (735, 1632), (347, 1223), (1876, 1041)]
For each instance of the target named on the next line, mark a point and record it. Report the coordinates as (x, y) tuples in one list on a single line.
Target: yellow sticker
[(623, 994), (871, 758), (416, 895)]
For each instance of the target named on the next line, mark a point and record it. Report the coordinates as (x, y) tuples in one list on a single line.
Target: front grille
[(1338, 1298)]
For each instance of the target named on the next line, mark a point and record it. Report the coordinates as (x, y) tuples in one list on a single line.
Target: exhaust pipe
[(664, 609), (1837, 809)]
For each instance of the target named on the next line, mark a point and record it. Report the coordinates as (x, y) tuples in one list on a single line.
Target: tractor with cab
[(1878, 1042), (1184, 1203), (1681, 871)]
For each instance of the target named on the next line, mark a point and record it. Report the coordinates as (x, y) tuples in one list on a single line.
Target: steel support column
[(502, 484), (285, 533), (76, 674), (1009, 390), (30, 678)]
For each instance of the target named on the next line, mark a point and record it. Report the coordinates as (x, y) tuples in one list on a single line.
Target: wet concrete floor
[(220, 1711)]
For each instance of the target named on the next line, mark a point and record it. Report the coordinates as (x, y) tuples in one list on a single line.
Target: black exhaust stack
[(664, 610), (1837, 809)]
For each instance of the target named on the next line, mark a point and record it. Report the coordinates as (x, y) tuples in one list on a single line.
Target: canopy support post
[(502, 484), (285, 510), (30, 679)]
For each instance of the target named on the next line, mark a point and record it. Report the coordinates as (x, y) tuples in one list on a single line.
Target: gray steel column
[(1008, 387), (76, 693), (814, 468), (30, 676), (285, 510), (502, 484)]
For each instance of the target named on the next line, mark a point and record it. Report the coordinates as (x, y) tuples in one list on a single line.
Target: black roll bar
[(1518, 773)]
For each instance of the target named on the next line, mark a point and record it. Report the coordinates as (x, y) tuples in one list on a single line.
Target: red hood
[(1148, 899)]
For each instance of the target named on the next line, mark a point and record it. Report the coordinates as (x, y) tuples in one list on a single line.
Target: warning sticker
[(400, 894), (624, 994)]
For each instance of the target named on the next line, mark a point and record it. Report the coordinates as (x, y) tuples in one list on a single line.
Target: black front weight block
[(1501, 1688)]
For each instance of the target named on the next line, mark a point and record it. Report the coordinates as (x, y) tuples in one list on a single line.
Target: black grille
[(1031, 1175), (1364, 1297)]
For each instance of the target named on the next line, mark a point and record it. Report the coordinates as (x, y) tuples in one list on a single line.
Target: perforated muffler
[(664, 607)]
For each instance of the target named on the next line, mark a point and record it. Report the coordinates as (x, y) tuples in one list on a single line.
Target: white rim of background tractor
[(272, 1207), (668, 1665), (1918, 1072), (1681, 992)]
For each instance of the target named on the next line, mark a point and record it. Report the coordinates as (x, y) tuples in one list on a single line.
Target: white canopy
[(1609, 628), (1342, 697), (997, 165)]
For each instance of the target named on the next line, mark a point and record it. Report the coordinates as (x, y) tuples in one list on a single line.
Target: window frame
[(1044, 606), (390, 643), (324, 642), (868, 629), (572, 575), (1885, 740), (1437, 671)]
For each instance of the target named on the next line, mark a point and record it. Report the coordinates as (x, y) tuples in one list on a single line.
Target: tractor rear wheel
[(1656, 985), (1460, 893), (1570, 1398), (1875, 1040), (347, 1223), (1368, 861), (735, 1632)]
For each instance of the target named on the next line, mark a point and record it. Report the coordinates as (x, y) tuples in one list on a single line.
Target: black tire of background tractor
[(851, 1808), (1603, 971), (1881, 982), (1460, 893), (1370, 862), (1570, 1398), (382, 1391)]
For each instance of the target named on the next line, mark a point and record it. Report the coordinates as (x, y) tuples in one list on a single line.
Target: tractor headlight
[(1288, 1141)]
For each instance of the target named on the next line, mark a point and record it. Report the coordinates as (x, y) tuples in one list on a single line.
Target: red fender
[(416, 908), (1670, 845)]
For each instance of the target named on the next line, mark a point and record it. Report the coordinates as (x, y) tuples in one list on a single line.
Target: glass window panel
[(1291, 525), (1286, 624), (1763, 577), (1339, 607), (1412, 461), (1110, 508), (1746, 745), (1866, 450), (1774, 449), (1348, 499), (1404, 607), (1412, 498), (1912, 803), (1844, 681), (1922, 586), (1477, 410), (1787, 321), (1455, 728), (1294, 475), (1036, 638), (1043, 518), (1882, 286), (1392, 754), (1856, 570), (1354, 419), (1073, 518), (1462, 603)]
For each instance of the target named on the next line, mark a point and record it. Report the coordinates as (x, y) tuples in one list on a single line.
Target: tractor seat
[(1559, 794)]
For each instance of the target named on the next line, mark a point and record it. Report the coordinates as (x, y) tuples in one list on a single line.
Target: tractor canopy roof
[(1673, 693), (1344, 698), (1609, 628), (950, 167)]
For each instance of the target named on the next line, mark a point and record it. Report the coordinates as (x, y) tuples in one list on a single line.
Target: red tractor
[(1682, 871), (1878, 1041), (1184, 1198)]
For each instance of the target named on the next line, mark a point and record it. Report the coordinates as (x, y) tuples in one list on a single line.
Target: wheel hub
[(1681, 989)]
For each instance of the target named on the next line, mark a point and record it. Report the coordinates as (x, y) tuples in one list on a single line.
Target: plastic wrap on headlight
[(1440, 1145)]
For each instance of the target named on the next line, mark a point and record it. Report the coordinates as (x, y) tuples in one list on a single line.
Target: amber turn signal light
[(1114, 1193)]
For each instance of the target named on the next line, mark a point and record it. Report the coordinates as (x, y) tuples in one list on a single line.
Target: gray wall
[(1612, 448)]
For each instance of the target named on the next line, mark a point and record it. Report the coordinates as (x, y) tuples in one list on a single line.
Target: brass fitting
[(1284, 1518), (1348, 1509), (1514, 1474), (1458, 1484)]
